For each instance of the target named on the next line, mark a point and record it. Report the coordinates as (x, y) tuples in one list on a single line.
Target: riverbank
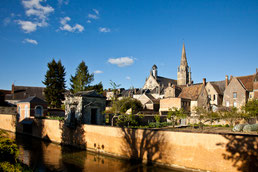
[(213, 152)]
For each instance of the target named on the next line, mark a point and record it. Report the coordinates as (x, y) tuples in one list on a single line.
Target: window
[(234, 95), (209, 96), (38, 111), (214, 97), (227, 103), (235, 104)]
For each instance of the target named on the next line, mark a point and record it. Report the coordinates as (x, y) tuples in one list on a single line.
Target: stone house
[(215, 92), (149, 102), (197, 94), (174, 102), (31, 107), (85, 107), (240, 90)]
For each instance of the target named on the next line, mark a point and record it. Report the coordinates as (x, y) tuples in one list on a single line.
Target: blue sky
[(121, 40)]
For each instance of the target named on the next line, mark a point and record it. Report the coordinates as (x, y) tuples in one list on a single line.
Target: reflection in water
[(45, 156)]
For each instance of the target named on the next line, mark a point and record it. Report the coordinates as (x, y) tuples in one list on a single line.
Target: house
[(197, 94), (22, 92), (148, 102), (170, 103), (31, 107), (240, 90), (2, 97), (215, 92), (85, 107)]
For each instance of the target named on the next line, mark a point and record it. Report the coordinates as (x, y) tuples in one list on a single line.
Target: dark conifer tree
[(55, 84), (82, 78)]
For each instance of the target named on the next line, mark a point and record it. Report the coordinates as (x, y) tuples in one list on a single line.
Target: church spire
[(183, 57)]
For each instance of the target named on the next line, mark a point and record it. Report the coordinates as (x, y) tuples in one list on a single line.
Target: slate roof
[(165, 81), (33, 99), (23, 92), (247, 81), (152, 99), (91, 93), (219, 86), (191, 92)]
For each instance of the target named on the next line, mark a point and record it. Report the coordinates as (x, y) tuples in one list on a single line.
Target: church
[(158, 83)]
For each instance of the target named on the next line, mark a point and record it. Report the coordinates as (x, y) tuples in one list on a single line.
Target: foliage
[(55, 84), (9, 155), (56, 118), (128, 120), (159, 124), (250, 110), (98, 88), (8, 149), (81, 80), (230, 114), (248, 128), (212, 116), (157, 118), (127, 103), (175, 114)]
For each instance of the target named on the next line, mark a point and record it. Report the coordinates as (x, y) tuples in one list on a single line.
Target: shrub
[(248, 128)]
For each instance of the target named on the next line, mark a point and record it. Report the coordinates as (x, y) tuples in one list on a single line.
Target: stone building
[(85, 107), (184, 71), (31, 107), (240, 90)]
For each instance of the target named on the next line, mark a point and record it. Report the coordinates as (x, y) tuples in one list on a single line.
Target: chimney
[(256, 70), (230, 77), (12, 92), (169, 84), (226, 81), (204, 81)]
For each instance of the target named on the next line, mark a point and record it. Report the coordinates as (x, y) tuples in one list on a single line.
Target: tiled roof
[(152, 99), (247, 81), (191, 92)]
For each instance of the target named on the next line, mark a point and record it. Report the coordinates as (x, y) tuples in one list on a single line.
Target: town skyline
[(122, 41)]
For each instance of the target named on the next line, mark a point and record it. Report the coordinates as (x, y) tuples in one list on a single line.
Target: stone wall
[(213, 152)]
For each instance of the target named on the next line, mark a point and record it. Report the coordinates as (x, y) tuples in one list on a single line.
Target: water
[(45, 156)]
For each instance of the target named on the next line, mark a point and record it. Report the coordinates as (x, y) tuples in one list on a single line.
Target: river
[(45, 156)]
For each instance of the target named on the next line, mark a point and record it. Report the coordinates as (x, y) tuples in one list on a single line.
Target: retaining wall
[(211, 152)]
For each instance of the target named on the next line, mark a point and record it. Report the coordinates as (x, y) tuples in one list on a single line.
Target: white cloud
[(104, 29), (31, 41), (128, 78), (69, 28), (34, 8), (40, 13), (27, 26), (96, 11), (98, 71), (94, 16), (88, 21), (121, 61)]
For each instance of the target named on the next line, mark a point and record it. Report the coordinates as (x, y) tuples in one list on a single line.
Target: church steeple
[(183, 57), (183, 73)]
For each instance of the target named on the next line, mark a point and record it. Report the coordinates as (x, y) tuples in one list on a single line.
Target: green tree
[(98, 88), (175, 114), (250, 110), (230, 114), (81, 80), (55, 84)]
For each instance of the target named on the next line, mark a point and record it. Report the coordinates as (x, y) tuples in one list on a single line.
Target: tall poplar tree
[(55, 84), (82, 78)]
